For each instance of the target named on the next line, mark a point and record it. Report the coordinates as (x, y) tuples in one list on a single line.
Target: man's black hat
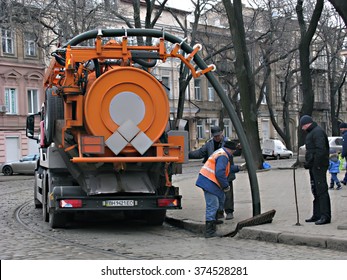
[(305, 119), (216, 131), (230, 145)]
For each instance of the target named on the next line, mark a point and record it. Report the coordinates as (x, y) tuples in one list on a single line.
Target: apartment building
[(272, 43), (21, 74), (22, 68)]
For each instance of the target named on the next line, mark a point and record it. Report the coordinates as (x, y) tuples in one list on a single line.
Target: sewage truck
[(105, 142)]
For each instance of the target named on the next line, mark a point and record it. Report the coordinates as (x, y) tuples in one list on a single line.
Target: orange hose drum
[(130, 100)]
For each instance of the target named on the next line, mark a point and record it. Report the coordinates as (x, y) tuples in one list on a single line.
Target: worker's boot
[(339, 186), (210, 230), (219, 214), (332, 186)]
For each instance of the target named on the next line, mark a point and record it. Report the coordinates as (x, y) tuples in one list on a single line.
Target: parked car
[(335, 143), (275, 148), (26, 165)]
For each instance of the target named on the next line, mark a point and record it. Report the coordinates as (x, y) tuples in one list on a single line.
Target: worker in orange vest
[(213, 180)]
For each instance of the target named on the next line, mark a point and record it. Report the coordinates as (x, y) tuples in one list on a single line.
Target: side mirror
[(30, 127)]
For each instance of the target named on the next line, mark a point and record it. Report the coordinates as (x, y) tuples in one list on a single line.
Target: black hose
[(59, 59), (97, 67), (144, 63)]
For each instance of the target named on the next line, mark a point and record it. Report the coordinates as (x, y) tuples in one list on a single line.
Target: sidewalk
[(276, 189)]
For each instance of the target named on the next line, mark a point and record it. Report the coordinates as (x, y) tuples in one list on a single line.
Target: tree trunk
[(245, 78), (304, 57)]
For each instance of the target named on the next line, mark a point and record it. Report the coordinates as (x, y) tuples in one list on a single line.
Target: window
[(200, 130), (32, 101), (187, 93), (281, 89), (210, 92), (167, 86), (11, 100), (197, 89), (30, 158), (225, 88), (30, 45), (227, 128), (7, 41), (263, 101)]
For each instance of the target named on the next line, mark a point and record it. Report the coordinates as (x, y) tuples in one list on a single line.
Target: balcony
[(12, 121)]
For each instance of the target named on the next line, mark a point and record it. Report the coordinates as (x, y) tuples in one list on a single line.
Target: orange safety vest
[(209, 168)]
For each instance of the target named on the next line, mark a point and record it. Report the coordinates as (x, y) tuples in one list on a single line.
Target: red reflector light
[(164, 202), (70, 203), (92, 145)]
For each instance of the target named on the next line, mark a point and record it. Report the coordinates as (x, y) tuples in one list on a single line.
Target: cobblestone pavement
[(112, 239)]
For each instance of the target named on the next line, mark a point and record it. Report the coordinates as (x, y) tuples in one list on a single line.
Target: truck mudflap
[(70, 198)]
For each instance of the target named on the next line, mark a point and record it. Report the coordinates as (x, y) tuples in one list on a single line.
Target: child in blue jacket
[(334, 168)]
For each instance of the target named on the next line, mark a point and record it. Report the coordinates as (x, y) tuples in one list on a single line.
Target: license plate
[(118, 203)]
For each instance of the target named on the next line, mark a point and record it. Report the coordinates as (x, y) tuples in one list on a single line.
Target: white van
[(275, 148)]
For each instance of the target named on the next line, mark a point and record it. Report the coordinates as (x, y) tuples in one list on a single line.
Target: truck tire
[(57, 220), (37, 202), (45, 214), (54, 110), (155, 217)]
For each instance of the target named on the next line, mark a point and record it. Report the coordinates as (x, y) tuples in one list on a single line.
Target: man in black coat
[(317, 161)]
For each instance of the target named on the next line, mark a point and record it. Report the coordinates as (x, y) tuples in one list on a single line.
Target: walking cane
[(296, 197)]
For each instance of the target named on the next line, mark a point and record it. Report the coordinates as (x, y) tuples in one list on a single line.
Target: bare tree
[(306, 35), (245, 77), (190, 33), (151, 9), (272, 34), (341, 8), (332, 35)]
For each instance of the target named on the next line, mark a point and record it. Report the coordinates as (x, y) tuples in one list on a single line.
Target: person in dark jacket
[(343, 131), (317, 162), (216, 142), (213, 180)]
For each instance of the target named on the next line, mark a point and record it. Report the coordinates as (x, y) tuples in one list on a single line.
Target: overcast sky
[(181, 4), (186, 4)]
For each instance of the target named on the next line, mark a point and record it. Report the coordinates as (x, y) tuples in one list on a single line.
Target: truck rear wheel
[(45, 198), (155, 217), (57, 220), (54, 110), (37, 202)]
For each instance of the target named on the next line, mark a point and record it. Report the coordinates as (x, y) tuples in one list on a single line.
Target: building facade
[(272, 45), (21, 75), (22, 68)]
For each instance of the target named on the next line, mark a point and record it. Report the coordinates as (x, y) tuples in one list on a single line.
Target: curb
[(326, 242), (186, 224), (253, 233)]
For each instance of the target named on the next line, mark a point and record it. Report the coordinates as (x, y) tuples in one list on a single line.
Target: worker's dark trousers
[(319, 187), (229, 199)]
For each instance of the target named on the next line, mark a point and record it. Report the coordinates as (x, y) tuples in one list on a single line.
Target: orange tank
[(126, 105)]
